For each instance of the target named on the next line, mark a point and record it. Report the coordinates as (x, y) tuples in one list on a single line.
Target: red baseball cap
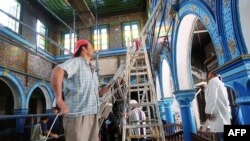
[(79, 43)]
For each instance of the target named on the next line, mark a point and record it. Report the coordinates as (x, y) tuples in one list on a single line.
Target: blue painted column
[(185, 98), (162, 110), (168, 109), (244, 110), (20, 121)]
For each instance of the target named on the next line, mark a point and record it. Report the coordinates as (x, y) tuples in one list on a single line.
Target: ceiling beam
[(82, 10)]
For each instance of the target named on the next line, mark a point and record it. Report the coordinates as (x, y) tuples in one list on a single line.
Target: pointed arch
[(16, 87), (47, 92)]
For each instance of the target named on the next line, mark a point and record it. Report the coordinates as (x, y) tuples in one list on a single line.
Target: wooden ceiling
[(116, 7), (86, 9)]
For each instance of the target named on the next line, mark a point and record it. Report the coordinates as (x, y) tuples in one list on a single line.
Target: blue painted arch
[(47, 92), (16, 88), (201, 12), (206, 17)]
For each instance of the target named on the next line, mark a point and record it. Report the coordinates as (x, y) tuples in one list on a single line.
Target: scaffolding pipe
[(97, 32)]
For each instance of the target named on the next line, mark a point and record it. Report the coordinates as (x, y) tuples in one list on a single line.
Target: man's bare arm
[(56, 84)]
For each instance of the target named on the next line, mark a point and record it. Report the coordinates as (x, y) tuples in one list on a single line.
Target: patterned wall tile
[(22, 78), (2, 49), (12, 56), (39, 67)]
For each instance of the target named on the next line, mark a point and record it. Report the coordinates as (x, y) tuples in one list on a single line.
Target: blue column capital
[(185, 97), (168, 101), (161, 104)]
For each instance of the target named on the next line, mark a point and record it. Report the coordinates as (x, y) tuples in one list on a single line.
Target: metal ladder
[(141, 88)]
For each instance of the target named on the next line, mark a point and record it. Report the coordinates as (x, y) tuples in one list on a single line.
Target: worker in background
[(217, 109), (137, 117)]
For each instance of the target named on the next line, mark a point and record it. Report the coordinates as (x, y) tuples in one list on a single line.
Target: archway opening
[(158, 88), (167, 89), (37, 104), (166, 80), (6, 107), (202, 60), (195, 55), (203, 57)]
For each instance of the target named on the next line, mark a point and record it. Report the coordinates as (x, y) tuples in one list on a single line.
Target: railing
[(205, 136), (9, 127), (173, 132)]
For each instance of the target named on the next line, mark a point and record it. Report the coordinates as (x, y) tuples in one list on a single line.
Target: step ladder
[(137, 83), (141, 87)]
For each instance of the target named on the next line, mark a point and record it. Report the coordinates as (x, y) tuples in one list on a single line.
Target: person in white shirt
[(217, 104), (138, 116)]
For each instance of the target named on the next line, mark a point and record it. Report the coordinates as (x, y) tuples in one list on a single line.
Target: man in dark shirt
[(44, 127), (57, 127)]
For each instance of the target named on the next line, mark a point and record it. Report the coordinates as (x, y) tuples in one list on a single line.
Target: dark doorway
[(37, 105), (7, 126)]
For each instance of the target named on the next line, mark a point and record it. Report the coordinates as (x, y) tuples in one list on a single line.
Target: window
[(69, 43), (13, 8), (40, 39), (130, 31), (100, 37)]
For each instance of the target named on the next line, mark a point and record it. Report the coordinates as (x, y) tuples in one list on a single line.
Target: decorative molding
[(185, 97), (232, 46), (228, 28), (168, 101), (237, 27)]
